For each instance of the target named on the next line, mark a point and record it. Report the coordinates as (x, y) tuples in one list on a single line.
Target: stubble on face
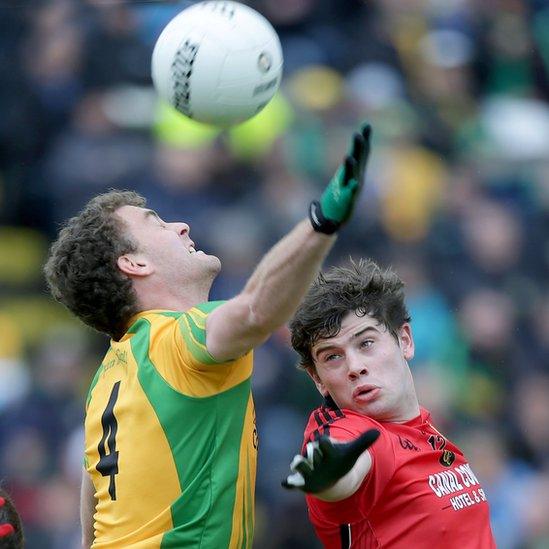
[(170, 249)]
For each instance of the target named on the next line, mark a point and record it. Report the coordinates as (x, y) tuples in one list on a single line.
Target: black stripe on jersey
[(323, 426), (332, 407), (324, 416), (331, 410), (345, 536), (327, 416), (318, 419), (317, 433)]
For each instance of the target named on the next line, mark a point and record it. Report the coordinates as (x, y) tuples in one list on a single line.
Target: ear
[(134, 265), (406, 341), (317, 381)]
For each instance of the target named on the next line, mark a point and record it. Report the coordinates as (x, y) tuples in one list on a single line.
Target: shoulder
[(174, 343), (184, 332), (196, 315), (152, 321), (340, 424)]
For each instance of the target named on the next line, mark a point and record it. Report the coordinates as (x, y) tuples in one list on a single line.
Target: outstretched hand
[(326, 462), (338, 199)]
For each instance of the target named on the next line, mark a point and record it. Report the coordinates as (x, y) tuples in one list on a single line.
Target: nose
[(356, 368), (182, 229)]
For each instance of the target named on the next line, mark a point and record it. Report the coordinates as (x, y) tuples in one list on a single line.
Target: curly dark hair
[(362, 287), (10, 538), (81, 270)]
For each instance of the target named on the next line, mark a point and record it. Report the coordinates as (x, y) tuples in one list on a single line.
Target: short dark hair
[(362, 287), (82, 271), (9, 516)]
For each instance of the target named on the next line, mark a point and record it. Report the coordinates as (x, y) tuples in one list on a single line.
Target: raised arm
[(283, 276)]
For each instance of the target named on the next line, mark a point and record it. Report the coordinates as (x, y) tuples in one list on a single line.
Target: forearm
[(87, 510), (271, 295), (284, 275)]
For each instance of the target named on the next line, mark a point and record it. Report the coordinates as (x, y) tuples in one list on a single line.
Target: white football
[(218, 62)]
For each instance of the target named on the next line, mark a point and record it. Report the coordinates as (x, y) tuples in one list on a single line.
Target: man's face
[(167, 247), (365, 369)]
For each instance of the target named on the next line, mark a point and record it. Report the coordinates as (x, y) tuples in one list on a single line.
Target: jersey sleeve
[(179, 353), (359, 505), (192, 327)]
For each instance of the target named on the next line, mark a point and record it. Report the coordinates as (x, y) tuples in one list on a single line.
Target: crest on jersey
[(447, 458)]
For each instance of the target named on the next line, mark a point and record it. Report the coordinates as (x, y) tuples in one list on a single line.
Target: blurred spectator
[(536, 512), (531, 418), (508, 483), (91, 155), (114, 52)]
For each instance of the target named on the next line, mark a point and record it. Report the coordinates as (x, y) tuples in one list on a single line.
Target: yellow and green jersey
[(171, 444)]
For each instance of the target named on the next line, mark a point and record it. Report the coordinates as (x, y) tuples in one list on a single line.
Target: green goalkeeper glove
[(326, 462), (337, 201)]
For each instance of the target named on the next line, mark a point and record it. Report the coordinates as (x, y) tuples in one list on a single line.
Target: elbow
[(266, 316), (260, 317), (338, 492), (260, 323)]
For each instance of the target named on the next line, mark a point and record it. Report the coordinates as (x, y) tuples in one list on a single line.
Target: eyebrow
[(367, 329), (354, 336), (151, 213)]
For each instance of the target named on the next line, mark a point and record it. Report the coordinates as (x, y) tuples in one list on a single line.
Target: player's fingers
[(325, 444), (303, 467), (310, 449), (305, 464), (314, 454), (317, 459), (366, 132), (358, 146), (298, 458), (364, 155), (349, 170), (364, 441), (293, 481)]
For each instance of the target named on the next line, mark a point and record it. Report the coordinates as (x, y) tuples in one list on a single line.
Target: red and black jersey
[(420, 491)]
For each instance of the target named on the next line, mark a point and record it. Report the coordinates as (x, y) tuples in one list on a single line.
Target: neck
[(162, 297), (405, 409), (411, 413), (409, 405)]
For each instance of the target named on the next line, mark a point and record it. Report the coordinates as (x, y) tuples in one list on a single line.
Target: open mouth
[(365, 391), (192, 250)]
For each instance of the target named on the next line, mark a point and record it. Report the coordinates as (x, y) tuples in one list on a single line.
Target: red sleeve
[(359, 505)]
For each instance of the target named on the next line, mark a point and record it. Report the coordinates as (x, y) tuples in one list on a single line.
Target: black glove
[(338, 199), (326, 462)]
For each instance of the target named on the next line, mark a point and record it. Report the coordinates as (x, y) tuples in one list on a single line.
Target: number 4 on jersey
[(108, 463)]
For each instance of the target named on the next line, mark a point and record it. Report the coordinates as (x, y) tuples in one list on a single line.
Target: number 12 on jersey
[(108, 463)]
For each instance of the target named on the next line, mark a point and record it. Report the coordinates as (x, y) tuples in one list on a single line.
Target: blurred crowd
[(456, 200)]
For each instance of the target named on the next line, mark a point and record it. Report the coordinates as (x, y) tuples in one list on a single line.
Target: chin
[(211, 266), (215, 262), (375, 412)]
